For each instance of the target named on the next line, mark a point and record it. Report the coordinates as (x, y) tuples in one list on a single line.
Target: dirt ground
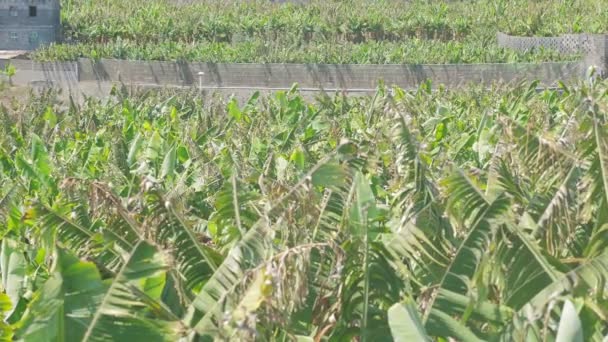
[(9, 94)]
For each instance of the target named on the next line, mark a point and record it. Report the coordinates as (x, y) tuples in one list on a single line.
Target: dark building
[(27, 24)]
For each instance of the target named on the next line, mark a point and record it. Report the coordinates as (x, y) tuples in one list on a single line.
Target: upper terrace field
[(383, 31)]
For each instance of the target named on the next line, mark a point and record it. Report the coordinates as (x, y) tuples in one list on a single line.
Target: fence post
[(597, 56), (200, 81)]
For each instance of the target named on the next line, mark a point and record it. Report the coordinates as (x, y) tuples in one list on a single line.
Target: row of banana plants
[(472, 215), (334, 21), (414, 51), (405, 31)]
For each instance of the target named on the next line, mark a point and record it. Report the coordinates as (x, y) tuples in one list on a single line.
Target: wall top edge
[(563, 35), (125, 61)]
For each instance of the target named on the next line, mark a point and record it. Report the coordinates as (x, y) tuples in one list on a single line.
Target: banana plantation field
[(322, 31), (406, 216)]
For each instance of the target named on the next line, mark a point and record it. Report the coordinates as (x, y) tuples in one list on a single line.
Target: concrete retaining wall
[(57, 74), (95, 77), (90, 74), (319, 76)]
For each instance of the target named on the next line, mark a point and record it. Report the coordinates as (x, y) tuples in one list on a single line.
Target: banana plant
[(372, 218)]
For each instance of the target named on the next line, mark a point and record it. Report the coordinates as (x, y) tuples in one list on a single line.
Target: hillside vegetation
[(322, 31), (477, 215)]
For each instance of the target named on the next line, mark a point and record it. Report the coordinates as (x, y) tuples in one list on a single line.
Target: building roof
[(10, 54)]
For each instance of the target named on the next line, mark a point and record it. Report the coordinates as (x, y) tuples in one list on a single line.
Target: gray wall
[(95, 78), (45, 35), (319, 76), (59, 74), (45, 25)]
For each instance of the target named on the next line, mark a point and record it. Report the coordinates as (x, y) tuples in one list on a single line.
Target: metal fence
[(592, 46)]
